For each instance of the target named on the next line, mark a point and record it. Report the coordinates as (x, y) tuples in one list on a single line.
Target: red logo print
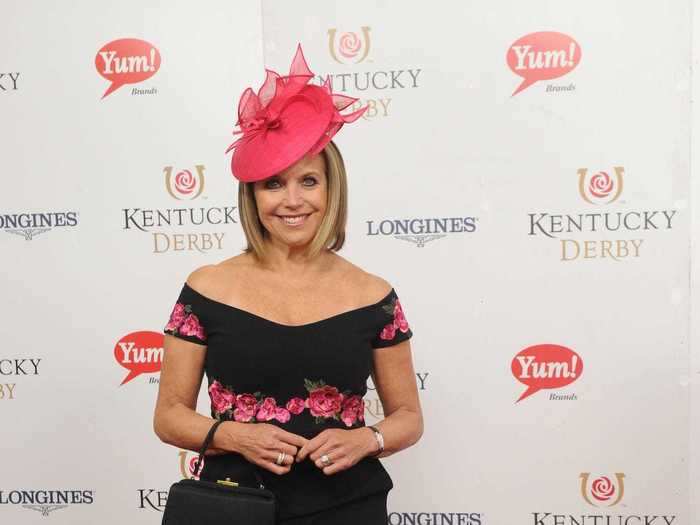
[(546, 366), (140, 353), (542, 56), (127, 61)]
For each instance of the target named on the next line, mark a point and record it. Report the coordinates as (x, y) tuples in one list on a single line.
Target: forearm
[(183, 427), (401, 429)]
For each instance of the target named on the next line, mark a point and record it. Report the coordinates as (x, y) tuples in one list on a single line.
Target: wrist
[(226, 438), (377, 441)]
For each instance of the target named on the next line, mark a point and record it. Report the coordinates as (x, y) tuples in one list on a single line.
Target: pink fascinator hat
[(287, 119)]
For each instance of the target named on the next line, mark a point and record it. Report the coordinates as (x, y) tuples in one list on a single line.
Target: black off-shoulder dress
[(302, 378)]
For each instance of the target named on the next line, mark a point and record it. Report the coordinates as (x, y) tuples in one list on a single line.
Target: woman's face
[(292, 203)]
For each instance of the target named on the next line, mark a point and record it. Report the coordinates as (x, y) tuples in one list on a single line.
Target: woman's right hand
[(261, 443)]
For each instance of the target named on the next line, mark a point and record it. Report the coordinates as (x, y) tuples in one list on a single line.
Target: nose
[(293, 196)]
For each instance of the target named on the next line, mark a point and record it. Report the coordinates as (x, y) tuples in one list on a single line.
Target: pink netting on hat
[(262, 113)]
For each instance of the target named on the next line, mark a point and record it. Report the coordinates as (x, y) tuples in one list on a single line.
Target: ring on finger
[(280, 458), (325, 460)]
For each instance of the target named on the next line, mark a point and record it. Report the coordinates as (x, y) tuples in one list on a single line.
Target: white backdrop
[(497, 280)]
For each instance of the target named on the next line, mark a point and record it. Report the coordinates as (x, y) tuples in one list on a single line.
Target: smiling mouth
[(293, 220)]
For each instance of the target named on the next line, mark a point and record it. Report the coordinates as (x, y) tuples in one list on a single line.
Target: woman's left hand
[(344, 448)]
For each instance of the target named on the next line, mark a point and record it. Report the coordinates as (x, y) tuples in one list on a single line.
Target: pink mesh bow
[(262, 112)]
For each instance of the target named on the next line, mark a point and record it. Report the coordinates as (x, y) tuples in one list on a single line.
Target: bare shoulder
[(372, 288), (208, 279)]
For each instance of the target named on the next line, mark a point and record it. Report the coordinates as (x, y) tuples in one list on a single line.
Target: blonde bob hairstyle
[(331, 232)]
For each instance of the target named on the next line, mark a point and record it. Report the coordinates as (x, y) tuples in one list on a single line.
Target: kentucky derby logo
[(600, 187), (184, 185), (188, 460), (602, 491), (349, 48)]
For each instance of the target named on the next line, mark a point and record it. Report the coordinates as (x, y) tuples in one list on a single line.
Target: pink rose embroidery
[(267, 410), (295, 405), (192, 327), (246, 406), (176, 317), (324, 401), (282, 415), (353, 410), (399, 322), (221, 398)]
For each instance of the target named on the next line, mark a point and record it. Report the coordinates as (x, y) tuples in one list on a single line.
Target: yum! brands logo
[(127, 61), (376, 88), (165, 224), (603, 232), (545, 55), (349, 47), (184, 185), (140, 353), (546, 366)]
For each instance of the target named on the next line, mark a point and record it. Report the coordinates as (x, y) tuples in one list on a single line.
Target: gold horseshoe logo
[(619, 172), (331, 45)]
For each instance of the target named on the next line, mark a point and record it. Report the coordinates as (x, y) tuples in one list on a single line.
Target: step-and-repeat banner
[(522, 178)]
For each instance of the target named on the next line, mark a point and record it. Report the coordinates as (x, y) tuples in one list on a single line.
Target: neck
[(293, 261)]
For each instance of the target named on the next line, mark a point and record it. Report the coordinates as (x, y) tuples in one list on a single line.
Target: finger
[(312, 445), (335, 467), (288, 449), (275, 455), (293, 439), (327, 448), (272, 467)]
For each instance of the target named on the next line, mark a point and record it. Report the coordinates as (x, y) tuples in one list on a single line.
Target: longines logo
[(600, 189), (351, 48), (46, 501), (602, 491), (182, 184), (29, 225), (16, 368), (8, 81), (435, 518), (421, 230)]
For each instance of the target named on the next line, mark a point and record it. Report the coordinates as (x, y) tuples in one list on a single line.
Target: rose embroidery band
[(399, 323), (184, 322), (323, 402)]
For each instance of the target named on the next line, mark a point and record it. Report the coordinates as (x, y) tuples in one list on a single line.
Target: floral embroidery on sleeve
[(184, 322), (398, 323), (324, 402)]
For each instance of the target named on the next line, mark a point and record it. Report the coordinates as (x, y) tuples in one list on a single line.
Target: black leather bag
[(195, 502)]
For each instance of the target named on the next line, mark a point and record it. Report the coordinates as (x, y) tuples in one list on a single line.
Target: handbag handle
[(205, 446)]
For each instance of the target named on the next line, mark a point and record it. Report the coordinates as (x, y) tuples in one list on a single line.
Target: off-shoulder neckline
[(305, 325)]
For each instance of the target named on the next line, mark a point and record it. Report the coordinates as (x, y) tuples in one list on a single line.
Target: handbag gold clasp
[(227, 482)]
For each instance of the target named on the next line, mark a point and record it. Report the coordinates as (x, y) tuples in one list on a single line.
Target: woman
[(288, 332)]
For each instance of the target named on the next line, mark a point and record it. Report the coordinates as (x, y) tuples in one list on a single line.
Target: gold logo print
[(188, 178), (619, 171), (344, 39), (184, 467), (620, 483)]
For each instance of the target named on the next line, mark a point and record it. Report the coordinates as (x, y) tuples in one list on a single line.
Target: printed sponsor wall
[(522, 178)]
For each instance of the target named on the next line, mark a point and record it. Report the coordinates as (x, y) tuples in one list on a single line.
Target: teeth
[(294, 220)]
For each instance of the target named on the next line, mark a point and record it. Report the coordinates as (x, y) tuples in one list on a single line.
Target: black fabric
[(247, 353), (370, 510)]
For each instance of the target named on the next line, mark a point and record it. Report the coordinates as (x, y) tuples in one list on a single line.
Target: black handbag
[(195, 502)]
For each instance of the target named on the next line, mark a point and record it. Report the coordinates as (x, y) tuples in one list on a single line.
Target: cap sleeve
[(187, 318), (392, 328)]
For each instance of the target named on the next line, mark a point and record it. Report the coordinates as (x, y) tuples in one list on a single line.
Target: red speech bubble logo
[(140, 353), (127, 61), (546, 366), (542, 56)]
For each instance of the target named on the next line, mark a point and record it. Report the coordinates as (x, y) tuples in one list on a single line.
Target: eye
[(310, 180), (271, 184)]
